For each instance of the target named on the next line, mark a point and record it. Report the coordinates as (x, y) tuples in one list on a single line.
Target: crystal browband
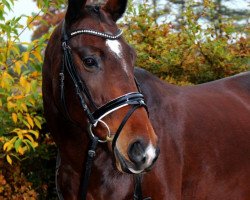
[(96, 33)]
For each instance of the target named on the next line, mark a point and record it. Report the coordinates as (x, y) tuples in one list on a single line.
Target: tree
[(193, 55), (47, 20), (21, 109), (219, 13)]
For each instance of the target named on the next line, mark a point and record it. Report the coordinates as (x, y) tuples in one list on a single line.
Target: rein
[(134, 99)]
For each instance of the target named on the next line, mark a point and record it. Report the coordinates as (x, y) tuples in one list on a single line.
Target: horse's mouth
[(127, 166)]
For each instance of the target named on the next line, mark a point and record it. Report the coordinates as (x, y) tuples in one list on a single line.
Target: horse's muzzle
[(141, 158)]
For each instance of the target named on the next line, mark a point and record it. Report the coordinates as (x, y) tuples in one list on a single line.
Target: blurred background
[(182, 42)]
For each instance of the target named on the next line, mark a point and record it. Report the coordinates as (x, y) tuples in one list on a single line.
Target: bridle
[(134, 99)]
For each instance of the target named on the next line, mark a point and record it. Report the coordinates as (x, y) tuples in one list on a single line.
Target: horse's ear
[(116, 8), (74, 9)]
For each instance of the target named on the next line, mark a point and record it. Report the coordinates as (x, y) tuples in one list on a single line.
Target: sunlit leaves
[(22, 141), (26, 57), (14, 117), (9, 160), (187, 54), (20, 86), (6, 80)]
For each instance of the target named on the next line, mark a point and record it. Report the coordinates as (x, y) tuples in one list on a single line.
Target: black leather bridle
[(134, 99)]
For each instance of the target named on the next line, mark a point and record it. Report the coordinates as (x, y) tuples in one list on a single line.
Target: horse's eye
[(90, 62)]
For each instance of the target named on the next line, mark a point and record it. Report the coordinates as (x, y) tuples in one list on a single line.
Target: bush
[(20, 91), (13, 184), (190, 55), (21, 112)]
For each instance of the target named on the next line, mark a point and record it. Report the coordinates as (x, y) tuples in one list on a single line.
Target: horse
[(104, 113)]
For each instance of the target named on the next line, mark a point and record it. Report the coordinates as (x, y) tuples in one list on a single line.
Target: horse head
[(98, 90)]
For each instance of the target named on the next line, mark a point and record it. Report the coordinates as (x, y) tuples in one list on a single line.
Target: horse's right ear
[(116, 8), (74, 9)]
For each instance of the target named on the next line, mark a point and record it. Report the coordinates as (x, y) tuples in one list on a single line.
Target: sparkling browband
[(96, 33)]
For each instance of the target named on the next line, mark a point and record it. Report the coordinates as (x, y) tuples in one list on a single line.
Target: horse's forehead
[(115, 48)]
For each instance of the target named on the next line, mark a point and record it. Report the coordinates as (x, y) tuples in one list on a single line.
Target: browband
[(96, 33)]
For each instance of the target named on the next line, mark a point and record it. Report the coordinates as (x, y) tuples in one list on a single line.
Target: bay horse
[(92, 92)]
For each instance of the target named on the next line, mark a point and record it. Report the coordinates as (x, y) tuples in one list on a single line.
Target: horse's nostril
[(136, 153)]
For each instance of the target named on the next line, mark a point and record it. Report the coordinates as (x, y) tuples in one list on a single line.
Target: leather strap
[(89, 162), (138, 189), (125, 119)]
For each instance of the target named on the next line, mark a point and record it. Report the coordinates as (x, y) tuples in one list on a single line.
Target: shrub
[(20, 104), (20, 91), (190, 55)]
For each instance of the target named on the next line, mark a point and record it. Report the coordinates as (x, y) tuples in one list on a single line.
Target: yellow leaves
[(18, 130), (32, 101), (24, 107), (21, 142), (29, 137), (18, 67), (35, 74), (25, 84), (18, 97), (35, 144), (5, 146), (21, 150), (23, 81), (25, 133), (20, 89), (35, 133), (9, 160), (10, 105), (26, 124), (38, 123), (6, 80), (30, 19), (30, 121), (20, 135), (21, 115), (9, 145), (26, 56), (14, 117), (13, 48), (38, 55)]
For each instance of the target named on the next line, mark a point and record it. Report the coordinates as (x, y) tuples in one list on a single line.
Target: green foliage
[(20, 87), (21, 110), (191, 55)]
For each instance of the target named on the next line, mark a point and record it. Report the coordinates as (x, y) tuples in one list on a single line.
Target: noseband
[(134, 100)]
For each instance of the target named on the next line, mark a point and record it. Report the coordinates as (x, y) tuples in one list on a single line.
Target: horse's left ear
[(116, 8), (75, 8)]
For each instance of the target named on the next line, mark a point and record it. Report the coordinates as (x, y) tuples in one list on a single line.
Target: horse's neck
[(161, 98), (155, 90)]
